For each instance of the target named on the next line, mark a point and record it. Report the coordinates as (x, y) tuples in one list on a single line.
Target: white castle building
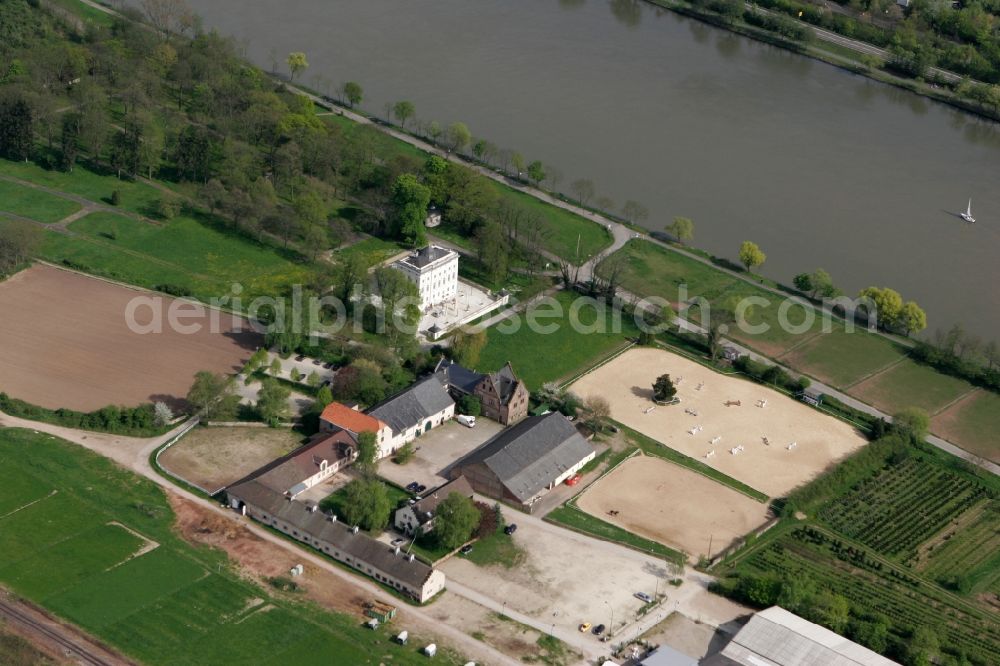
[(434, 270)]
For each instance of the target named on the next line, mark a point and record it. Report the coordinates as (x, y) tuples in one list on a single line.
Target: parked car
[(585, 627), (642, 596), (397, 541), (317, 362), (412, 487), (598, 630), (421, 488), (466, 549), (510, 529), (573, 480)]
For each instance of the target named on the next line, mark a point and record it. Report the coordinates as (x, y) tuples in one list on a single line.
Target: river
[(820, 167)]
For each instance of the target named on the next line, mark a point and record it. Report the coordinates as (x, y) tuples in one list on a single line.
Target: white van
[(465, 420)]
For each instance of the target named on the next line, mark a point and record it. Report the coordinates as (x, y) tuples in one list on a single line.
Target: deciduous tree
[(403, 111), (682, 228), (466, 346), (297, 63), (751, 255), (664, 389), (366, 504), (353, 93), (455, 520)]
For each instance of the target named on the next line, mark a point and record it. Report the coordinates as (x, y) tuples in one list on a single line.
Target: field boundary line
[(173, 440), (32, 502), (875, 373), (799, 344), (607, 359), (957, 400)]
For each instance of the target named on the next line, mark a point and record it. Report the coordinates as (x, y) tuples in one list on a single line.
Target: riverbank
[(846, 53)]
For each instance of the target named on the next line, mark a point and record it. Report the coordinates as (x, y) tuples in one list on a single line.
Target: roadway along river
[(820, 167)]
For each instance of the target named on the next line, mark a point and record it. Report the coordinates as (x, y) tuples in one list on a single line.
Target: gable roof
[(425, 508), (413, 405), (458, 377), (347, 418), (360, 546), (530, 455), (285, 473), (505, 382), (780, 638)]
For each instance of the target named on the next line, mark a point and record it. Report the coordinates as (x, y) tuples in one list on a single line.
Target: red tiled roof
[(344, 417)]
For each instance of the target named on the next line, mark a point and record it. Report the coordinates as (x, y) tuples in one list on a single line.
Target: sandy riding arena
[(754, 434), (672, 505), (64, 342)]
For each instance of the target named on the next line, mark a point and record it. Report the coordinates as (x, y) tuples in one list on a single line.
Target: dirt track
[(772, 467), (64, 342), (673, 505)]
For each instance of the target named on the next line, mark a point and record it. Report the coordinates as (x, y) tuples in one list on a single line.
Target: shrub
[(174, 290), (116, 198), (470, 405)]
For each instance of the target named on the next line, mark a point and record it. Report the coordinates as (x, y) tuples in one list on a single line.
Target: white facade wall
[(395, 440), (437, 281)]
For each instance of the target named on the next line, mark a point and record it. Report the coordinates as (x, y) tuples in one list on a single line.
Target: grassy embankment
[(72, 546), (870, 367)]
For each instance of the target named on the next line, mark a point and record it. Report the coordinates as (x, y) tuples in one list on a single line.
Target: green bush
[(139, 421)]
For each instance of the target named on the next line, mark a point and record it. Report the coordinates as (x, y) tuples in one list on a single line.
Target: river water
[(820, 167)]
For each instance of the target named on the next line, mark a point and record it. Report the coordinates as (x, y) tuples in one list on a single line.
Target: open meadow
[(65, 343), (785, 443), (672, 505), (973, 423), (34, 204), (910, 384), (96, 545), (539, 356), (213, 457)]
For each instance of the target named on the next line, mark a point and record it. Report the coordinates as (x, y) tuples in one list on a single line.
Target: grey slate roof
[(458, 377), (667, 656), (359, 546), (426, 255), (413, 405), (429, 504), (776, 636), (530, 455), (284, 474)]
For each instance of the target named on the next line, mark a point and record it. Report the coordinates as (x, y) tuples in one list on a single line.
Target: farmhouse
[(525, 461), (419, 516), (434, 270), (323, 456), (337, 416), (779, 638), (341, 542), (412, 412), (503, 396)]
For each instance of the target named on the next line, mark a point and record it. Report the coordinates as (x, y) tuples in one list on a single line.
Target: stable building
[(504, 397), (434, 270), (418, 518), (344, 543), (522, 463), (410, 413), (325, 454), (338, 416)]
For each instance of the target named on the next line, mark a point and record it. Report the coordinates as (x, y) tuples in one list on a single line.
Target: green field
[(373, 250), (182, 252), (840, 358), (973, 424), (967, 554), (540, 357), (34, 204), (563, 227), (90, 15), (173, 603), (910, 384), (136, 196)]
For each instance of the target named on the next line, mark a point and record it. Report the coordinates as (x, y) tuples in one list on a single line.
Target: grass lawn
[(374, 250), (563, 227), (540, 357), (650, 270), (182, 252), (573, 518), (973, 424), (497, 548), (840, 358), (136, 197), (86, 12), (174, 604), (34, 204), (910, 384)]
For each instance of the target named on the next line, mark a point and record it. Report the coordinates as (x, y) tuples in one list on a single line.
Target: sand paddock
[(64, 342), (772, 467), (673, 505)]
